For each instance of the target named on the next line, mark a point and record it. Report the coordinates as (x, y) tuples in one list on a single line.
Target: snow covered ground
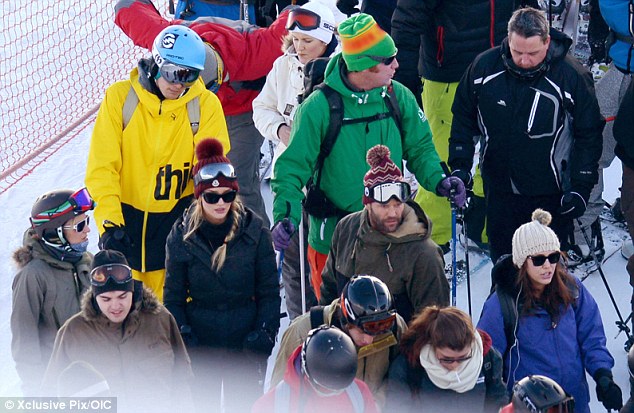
[(66, 169)]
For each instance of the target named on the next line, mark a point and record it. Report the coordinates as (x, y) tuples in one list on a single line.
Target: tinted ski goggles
[(78, 203), (539, 260), (376, 325), (382, 193), (119, 273), (213, 171), (381, 59), (214, 198), (304, 19), (566, 406), (80, 226), (174, 73)]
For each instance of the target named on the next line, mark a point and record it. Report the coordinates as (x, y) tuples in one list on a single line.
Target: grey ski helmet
[(539, 394), (329, 359)]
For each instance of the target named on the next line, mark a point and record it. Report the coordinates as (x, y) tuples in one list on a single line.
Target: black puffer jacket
[(542, 130), (225, 305), (438, 39)]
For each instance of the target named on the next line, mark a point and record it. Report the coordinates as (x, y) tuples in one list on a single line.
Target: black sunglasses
[(213, 198), (539, 260), (385, 60), (456, 360)]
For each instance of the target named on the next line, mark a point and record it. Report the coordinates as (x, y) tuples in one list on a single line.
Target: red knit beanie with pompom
[(209, 151), (382, 170)]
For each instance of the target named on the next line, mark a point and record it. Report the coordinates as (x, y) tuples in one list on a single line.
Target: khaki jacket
[(143, 359), (407, 260), (46, 293)]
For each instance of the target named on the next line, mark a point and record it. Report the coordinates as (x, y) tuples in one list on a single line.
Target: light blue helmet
[(179, 45)]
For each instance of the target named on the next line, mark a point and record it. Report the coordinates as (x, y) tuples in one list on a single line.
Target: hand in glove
[(115, 238), (608, 392), (282, 232), (572, 205), (453, 188), (465, 177), (348, 7), (189, 338), (259, 342)]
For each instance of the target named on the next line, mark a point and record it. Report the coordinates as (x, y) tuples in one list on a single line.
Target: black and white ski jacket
[(540, 130)]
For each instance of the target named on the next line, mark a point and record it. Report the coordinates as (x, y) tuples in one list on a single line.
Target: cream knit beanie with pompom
[(534, 237)]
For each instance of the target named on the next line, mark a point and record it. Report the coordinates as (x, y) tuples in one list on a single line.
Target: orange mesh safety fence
[(57, 58)]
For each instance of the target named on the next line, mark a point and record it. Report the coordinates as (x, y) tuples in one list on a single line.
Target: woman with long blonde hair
[(221, 286)]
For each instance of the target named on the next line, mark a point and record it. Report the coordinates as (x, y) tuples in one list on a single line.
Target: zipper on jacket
[(531, 118), (440, 39)]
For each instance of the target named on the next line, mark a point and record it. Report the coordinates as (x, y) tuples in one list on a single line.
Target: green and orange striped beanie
[(362, 37)]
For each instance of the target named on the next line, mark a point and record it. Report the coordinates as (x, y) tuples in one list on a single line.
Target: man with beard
[(389, 239)]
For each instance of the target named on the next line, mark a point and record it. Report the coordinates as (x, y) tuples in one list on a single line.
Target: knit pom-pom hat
[(210, 151), (361, 37), (534, 237), (382, 170)]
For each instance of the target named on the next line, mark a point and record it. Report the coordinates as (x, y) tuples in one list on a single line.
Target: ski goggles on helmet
[(79, 202), (382, 193), (539, 260), (565, 406), (213, 171), (119, 273), (378, 324), (80, 226), (304, 19), (174, 73)]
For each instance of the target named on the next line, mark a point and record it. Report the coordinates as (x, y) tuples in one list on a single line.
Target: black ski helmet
[(52, 209), (536, 394), (367, 303), (329, 359)]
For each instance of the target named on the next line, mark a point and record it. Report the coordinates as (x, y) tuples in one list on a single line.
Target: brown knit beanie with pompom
[(209, 151), (382, 170), (534, 237)]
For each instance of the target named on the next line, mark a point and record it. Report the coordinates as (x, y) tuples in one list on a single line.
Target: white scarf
[(460, 380)]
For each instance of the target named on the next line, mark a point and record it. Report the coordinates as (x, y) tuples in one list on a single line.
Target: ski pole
[(454, 211), (302, 270), (621, 323), (466, 258), (280, 261)]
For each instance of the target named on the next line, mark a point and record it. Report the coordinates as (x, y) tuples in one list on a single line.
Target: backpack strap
[(356, 397), (316, 316), (335, 106), (282, 398), (132, 101), (193, 111), (129, 106), (509, 315)]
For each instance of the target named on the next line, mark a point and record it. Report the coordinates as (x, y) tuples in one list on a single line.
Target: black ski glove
[(572, 205), (259, 341), (465, 177), (608, 392), (348, 7), (115, 238)]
